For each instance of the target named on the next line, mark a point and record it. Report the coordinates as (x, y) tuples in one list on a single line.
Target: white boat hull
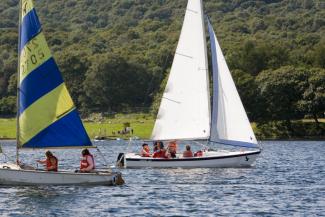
[(11, 174), (210, 159)]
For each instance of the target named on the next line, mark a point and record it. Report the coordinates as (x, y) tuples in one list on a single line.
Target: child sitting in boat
[(145, 152), (50, 163), (188, 152), (161, 152)]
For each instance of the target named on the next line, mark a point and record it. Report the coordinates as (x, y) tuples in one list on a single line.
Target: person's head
[(145, 146), (161, 145), (85, 152), (48, 154), (172, 142), (188, 148)]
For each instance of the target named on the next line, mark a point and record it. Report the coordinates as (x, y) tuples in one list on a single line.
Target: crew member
[(87, 163), (172, 148), (188, 152), (145, 152), (161, 152), (50, 163)]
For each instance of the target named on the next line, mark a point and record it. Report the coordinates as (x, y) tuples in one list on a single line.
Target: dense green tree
[(8, 106), (255, 36), (113, 83), (280, 90), (74, 68), (313, 97)]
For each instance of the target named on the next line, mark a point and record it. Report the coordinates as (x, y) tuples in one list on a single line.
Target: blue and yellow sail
[(46, 112)]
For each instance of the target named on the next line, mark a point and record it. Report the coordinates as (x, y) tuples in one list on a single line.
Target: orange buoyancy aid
[(49, 164), (187, 154), (84, 163)]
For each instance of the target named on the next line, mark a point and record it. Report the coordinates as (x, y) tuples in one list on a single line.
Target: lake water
[(287, 180)]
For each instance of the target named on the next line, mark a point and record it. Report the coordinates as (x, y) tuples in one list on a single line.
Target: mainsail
[(184, 111), (47, 115), (230, 124)]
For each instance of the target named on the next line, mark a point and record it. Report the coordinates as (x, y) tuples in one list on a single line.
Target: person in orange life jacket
[(172, 148), (161, 152), (188, 152), (145, 152), (87, 163), (50, 163)]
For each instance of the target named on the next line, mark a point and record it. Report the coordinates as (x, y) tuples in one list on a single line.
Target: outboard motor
[(120, 160)]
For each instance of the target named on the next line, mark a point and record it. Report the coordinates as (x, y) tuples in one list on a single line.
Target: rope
[(103, 157)]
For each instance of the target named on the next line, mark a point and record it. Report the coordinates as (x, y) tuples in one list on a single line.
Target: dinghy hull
[(11, 174), (210, 159)]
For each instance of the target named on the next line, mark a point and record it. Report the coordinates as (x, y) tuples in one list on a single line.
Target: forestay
[(47, 115), (229, 123), (184, 111)]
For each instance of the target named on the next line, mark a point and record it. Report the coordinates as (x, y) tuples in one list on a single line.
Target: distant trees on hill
[(116, 55)]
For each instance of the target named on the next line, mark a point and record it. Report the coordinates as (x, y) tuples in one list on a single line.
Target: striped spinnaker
[(47, 115)]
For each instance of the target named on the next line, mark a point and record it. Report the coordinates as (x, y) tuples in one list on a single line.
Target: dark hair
[(144, 144), (85, 152), (48, 154), (188, 147)]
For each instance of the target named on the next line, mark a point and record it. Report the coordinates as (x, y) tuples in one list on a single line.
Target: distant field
[(141, 124)]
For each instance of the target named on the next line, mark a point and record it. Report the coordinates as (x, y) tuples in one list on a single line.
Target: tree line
[(116, 55)]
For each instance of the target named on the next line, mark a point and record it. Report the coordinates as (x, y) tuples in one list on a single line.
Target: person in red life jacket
[(198, 154), (172, 148), (145, 152), (161, 152), (188, 152), (87, 163), (156, 146), (50, 163)]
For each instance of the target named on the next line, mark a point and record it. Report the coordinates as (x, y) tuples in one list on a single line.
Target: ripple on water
[(288, 179)]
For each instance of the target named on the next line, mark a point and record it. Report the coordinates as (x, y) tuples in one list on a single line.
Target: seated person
[(198, 154), (161, 152), (87, 163), (172, 148), (145, 152), (155, 146), (188, 152), (50, 163)]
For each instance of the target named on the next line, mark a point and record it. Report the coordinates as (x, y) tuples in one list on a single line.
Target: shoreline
[(262, 140)]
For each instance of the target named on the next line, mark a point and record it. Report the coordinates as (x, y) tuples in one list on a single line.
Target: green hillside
[(115, 55)]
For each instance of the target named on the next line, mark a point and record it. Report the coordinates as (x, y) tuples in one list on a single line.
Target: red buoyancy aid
[(187, 154), (49, 164), (160, 154), (198, 154), (144, 153), (84, 163)]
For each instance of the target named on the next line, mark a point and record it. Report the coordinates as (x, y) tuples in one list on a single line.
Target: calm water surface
[(287, 180)]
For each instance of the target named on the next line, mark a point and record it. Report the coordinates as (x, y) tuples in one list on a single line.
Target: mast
[(18, 90)]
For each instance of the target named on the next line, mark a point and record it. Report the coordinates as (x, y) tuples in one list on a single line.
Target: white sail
[(229, 123), (184, 111)]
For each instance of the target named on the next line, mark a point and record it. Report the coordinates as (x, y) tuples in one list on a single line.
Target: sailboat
[(46, 115), (187, 111)]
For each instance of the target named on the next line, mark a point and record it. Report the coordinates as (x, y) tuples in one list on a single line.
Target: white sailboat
[(186, 112), (46, 115)]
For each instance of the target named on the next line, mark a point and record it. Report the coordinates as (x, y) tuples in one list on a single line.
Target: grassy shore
[(142, 125)]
